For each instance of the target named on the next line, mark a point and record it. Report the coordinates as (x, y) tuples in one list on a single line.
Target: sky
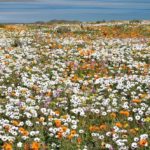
[(26, 11)]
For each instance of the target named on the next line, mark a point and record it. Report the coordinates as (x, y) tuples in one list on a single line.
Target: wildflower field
[(75, 87)]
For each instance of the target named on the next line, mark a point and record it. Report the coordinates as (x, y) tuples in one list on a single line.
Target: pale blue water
[(84, 10)]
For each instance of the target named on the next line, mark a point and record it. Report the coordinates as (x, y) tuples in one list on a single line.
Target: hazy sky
[(84, 10)]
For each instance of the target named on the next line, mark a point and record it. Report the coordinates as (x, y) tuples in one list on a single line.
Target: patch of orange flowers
[(23, 131), (125, 113)]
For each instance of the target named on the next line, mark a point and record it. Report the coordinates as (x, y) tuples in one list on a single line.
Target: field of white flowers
[(75, 88)]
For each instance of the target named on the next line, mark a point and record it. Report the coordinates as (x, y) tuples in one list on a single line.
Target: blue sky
[(84, 10)]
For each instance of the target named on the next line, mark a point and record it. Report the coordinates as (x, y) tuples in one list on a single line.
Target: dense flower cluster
[(74, 90)]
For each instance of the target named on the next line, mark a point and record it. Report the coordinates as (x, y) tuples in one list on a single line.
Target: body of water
[(84, 10)]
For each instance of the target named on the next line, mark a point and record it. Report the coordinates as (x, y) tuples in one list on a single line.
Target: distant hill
[(55, 21)]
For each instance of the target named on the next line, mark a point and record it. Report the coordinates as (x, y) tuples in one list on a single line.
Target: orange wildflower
[(64, 128), (75, 78), (143, 95), (96, 76), (58, 123), (79, 49), (70, 136), (81, 53), (35, 146), (59, 135), (26, 147), (136, 101), (79, 140), (118, 124), (6, 63), (25, 133), (83, 88), (21, 129), (103, 127), (60, 46), (113, 115), (143, 142), (64, 117), (73, 132), (57, 112), (41, 119), (7, 56), (132, 131), (7, 146), (15, 123), (49, 93), (24, 91), (6, 127)]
